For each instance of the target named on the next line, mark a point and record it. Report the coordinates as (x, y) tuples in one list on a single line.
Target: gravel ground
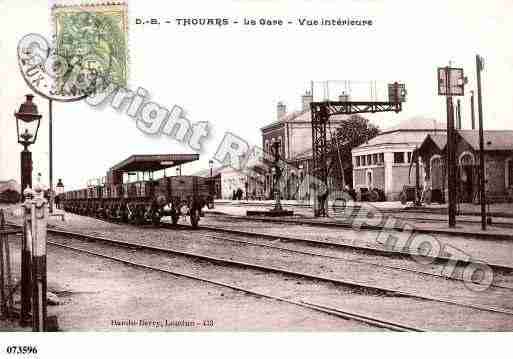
[(348, 271), (404, 262), (95, 292), (420, 313), (503, 253), (438, 317), (486, 250)]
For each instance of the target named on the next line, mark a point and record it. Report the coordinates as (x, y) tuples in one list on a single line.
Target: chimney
[(281, 110), (343, 97), (306, 100)]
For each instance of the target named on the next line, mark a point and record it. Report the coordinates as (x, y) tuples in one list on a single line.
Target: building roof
[(440, 140), (398, 137), (143, 163), (500, 140), (417, 124), (301, 117), (408, 132)]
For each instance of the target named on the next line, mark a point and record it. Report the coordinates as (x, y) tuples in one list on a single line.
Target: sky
[(234, 76)]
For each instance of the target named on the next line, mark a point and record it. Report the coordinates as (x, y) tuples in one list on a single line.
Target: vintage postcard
[(175, 170)]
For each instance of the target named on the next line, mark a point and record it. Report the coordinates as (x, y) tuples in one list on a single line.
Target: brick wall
[(273, 134), (301, 138), (494, 172)]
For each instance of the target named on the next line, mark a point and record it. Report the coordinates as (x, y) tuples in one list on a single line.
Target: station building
[(227, 180), (385, 161), (498, 164), (293, 131)]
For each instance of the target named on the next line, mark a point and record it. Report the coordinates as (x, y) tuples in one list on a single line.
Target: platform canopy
[(150, 163)]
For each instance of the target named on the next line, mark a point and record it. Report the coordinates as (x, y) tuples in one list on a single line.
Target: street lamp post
[(27, 126), (277, 175), (59, 189)]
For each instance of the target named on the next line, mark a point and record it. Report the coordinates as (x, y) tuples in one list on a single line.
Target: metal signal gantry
[(321, 113)]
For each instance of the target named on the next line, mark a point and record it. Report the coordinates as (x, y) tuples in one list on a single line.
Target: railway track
[(316, 254), (496, 267), (344, 314), (265, 268), (226, 262), (342, 224)]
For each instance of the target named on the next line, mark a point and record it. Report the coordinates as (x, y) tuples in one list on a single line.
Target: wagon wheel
[(123, 213), (111, 212), (155, 217), (195, 217), (373, 196), (139, 216), (132, 215)]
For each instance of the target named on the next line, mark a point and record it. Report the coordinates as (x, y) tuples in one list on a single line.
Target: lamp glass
[(27, 131)]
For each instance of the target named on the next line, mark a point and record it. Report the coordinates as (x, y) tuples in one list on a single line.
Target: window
[(357, 161), (363, 160), (398, 157), (375, 159), (409, 157), (369, 160), (466, 160), (381, 158)]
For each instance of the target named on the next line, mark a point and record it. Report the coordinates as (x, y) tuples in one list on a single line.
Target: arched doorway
[(467, 176), (437, 172), (437, 178)]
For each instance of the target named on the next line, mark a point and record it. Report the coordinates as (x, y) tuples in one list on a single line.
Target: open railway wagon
[(146, 200)]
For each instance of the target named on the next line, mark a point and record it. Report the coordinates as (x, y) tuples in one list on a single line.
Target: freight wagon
[(119, 197)]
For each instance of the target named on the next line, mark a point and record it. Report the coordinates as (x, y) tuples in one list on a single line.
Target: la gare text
[(262, 21)]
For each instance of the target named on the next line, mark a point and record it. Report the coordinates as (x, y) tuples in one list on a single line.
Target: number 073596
[(21, 349)]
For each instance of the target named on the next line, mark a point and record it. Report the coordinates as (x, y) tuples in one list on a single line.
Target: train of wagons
[(118, 198)]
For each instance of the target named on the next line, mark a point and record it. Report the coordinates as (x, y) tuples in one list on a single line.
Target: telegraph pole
[(458, 114), (479, 68), (451, 82), (451, 165), (472, 114), (50, 151)]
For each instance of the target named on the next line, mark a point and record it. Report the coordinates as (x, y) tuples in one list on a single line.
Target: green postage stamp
[(94, 37)]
